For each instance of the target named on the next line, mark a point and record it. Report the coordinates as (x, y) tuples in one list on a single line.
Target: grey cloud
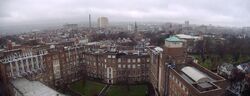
[(3, 12), (218, 12)]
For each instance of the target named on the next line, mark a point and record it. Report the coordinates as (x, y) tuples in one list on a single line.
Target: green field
[(87, 88), (134, 90)]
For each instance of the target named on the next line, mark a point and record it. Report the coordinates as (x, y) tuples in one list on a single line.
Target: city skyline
[(231, 13)]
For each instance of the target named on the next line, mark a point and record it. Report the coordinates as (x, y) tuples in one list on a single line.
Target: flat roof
[(184, 36), (34, 88)]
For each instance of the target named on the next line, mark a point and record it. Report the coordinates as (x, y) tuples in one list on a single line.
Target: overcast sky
[(216, 12)]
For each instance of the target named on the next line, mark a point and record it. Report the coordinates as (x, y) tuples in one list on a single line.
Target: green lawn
[(88, 88), (134, 90)]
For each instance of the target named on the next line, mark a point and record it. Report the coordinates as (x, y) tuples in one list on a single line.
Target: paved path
[(104, 90)]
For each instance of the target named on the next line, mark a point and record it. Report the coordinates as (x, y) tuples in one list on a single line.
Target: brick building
[(116, 66), (168, 69), (173, 73)]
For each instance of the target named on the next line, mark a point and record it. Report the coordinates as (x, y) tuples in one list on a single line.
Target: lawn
[(134, 90), (87, 88)]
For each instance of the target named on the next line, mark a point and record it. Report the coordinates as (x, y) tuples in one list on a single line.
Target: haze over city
[(215, 12)]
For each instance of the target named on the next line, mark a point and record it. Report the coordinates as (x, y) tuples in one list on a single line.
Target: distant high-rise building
[(89, 20), (186, 23), (135, 27), (102, 22), (70, 27), (130, 27)]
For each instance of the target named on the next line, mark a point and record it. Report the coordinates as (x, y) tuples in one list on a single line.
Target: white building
[(103, 22)]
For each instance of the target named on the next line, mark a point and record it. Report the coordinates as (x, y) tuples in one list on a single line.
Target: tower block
[(175, 50)]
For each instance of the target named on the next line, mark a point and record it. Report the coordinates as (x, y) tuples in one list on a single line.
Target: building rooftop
[(33, 88), (184, 36), (158, 49), (200, 79), (195, 74), (173, 39)]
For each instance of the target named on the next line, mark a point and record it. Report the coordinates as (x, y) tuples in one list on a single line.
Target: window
[(184, 88), (138, 60), (119, 59), (128, 65), (113, 56), (124, 66), (105, 60), (119, 65), (133, 60), (67, 59), (129, 60), (109, 56), (147, 59), (133, 65)]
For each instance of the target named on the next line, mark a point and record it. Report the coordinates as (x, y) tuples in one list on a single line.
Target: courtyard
[(131, 90), (87, 88), (92, 88)]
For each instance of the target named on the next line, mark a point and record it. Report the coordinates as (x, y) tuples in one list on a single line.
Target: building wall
[(177, 86), (173, 44), (177, 55), (154, 69), (67, 68), (63, 65), (20, 63), (113, 68)]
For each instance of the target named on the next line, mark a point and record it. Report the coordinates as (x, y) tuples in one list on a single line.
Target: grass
[(87, 88), (134, 90)]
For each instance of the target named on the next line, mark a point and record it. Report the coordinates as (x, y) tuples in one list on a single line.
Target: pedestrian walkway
[(104, 90)]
